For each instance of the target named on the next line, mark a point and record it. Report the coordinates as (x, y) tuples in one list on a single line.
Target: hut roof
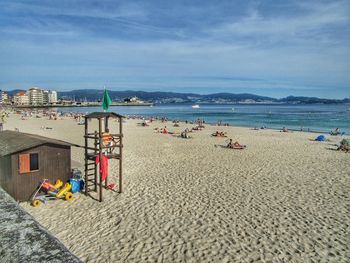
[(103, 114), (12, 142)]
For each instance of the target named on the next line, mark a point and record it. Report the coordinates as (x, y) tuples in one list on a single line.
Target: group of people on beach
[(200, 125), (54, 115), (344, 144)]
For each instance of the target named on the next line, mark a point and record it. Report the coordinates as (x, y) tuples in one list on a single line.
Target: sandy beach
[(284, 198)]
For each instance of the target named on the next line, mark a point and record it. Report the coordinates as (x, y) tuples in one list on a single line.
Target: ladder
[(91, 172)]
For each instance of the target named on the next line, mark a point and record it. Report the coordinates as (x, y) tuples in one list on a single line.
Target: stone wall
[(22, 239)]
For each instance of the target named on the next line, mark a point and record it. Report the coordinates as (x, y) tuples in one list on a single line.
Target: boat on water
[(195, 106)]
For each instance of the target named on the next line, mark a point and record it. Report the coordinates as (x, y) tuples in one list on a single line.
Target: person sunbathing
[(284, 129), (219, 134), (336, 132), (235, 145), (344, 146)]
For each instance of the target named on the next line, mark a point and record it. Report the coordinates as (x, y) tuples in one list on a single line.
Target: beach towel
[(320, 138), (103, 166)]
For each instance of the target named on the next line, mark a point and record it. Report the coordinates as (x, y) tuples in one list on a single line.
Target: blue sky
[(272, 48)]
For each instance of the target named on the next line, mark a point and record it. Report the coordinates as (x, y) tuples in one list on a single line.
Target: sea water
[(320, 117)]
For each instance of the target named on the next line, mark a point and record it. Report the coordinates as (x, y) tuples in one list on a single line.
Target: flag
[(106, 101)]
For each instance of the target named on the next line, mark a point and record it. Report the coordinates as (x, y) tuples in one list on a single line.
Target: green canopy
[(106, 101)]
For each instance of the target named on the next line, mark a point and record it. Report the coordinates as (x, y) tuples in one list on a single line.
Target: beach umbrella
[(106, 101), (321, 138)]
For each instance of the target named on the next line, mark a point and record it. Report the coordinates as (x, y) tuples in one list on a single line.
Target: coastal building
[(21, 98), (39, 97), (52, 97), (45, 97), (49, 97), (133, 100), (26, 159), (3, 97), (36, 96)]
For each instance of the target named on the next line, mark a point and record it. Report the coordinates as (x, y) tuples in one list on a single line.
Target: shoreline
[(244, 117), (140, 116)]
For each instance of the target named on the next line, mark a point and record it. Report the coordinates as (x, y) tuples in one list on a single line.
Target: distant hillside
[(311, 100), (238, 97), (94, 95), (174, 97), (13, 92)]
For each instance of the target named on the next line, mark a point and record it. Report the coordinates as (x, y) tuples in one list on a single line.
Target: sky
[(271, 48)]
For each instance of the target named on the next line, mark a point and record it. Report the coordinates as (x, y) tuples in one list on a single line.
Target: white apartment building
[(36, 96), (53, 96), (45, 97), (3, 97), (49, 97), (21, 98)]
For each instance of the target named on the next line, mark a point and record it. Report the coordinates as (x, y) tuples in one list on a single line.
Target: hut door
[(24, 163)]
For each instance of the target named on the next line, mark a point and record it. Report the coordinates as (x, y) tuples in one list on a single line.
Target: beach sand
[(282, 199)]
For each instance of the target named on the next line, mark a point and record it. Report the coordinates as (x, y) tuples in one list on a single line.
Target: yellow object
[(36, 203), (66, 188), (58, 184), (69, 196)]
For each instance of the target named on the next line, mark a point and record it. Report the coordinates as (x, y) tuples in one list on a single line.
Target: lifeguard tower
[(101, 143)]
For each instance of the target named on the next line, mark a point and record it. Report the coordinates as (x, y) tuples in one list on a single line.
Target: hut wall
[(54, 163), (6, 180)]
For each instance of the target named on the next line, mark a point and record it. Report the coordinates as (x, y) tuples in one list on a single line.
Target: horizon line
[(183, 93)]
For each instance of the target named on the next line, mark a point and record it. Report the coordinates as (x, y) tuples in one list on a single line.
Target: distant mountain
[(13, 92), (166, 97), (237, 97), (174, 97), (311, 100), (94, 95)]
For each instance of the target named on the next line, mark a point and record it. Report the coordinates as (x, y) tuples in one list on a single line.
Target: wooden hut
[(27, 159)]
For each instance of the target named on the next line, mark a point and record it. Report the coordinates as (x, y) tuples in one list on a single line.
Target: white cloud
[(285, 28)]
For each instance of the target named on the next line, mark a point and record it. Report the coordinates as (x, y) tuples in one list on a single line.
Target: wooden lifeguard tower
[(96, 146)]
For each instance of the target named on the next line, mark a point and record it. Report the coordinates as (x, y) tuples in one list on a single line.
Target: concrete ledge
[(22, 239)]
